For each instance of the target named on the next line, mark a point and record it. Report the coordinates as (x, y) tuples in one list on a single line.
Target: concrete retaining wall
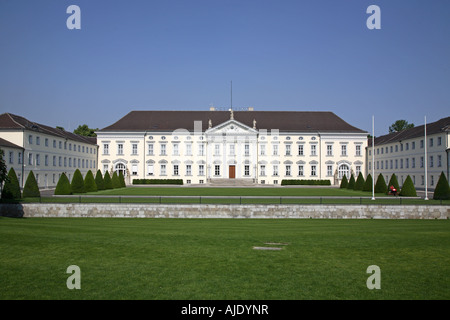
[(225, 211)]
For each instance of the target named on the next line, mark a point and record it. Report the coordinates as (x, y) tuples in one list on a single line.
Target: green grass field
[(168, 259)]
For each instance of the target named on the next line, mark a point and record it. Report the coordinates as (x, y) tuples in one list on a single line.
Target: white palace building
[(247, 147)]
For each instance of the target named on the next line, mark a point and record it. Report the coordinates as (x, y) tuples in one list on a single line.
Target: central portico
[(231, 151)]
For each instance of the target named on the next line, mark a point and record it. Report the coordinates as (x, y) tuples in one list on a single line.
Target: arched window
[(120, 167), (343, 170)]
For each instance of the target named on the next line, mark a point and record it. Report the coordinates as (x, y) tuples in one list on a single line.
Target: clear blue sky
[(182, 55)]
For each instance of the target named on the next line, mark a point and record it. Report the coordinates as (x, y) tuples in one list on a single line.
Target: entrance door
[(232, 172)]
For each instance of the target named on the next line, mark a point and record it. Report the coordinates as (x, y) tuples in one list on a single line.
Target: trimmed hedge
[(115, 181), (442, 191), (89, 182), (107, 181), (99, 181), (380, 186), (63, 187), (351, 183), (31, 189), (368, 183), (344, 182), (77, 184), (312, 182), (393, 181), (11, 187), (157, 181), (408, 189), (359, 184)]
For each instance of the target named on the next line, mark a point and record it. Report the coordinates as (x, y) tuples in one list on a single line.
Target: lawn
[(214, 259)]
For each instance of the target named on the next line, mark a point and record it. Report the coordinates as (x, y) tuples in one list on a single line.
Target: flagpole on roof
[(373, 157), (426, 165)]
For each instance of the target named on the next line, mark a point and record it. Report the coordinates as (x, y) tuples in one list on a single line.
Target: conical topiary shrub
[(122, 180), (99, 181), (11, 188), (344, 182), (442, 191), (359, 184), (408, 189), (368, 183), (107, 181), (89, 182), (115, 180), (31, 189), (63, 187), (351, 183), (77, 184), (380, 186), (393, 182)]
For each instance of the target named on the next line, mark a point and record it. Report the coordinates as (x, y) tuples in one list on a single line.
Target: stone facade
[(226, 211)]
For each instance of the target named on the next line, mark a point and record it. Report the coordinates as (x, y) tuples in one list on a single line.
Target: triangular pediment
[(231, 127)]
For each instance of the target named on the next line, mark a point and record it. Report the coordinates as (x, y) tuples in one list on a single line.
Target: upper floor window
[(344, 150), (358, 150), (105, 148), (313, 150), (329, 150), (30, 139), (135, 148), (120, 148)]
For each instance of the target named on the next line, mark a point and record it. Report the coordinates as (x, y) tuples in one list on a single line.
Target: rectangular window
[(262, 150), (313, 150), (60, 145), (30, 139), (396, 163), (134, 148), (175, 149), (344, 150), (150, 170), (189, 149), (217, 170), (19, 158), (413, 145), (407, 163), (163, 169), (431, 161), (119, 149), (175, 169), (38, 141), (150, 149), (30, 159), (439, 161), (105, 167), (247, 150), (163, 149), (432, 180), (313, 170), (105, 148), (11, 157), (134, 170), (60, 161), (300, 149), (46, 142), (288, 170), (439, 141), (300, 170), (201, 149), (188, 170), (407, 146), (275, 170), (413, 162), (288, 149), (217, 150), (70, 162), (232, 150), (401, 163), (431, 142), (246, 170), (391, 164), (421, 144), (201, 169), (46, 160), (329, 170), (275, 149), (358, 150), (329, 150), (262, 171), (421, 162), (358, 170)]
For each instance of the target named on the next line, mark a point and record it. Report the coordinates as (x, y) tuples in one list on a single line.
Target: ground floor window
[(343, 170), (247, 170), (217, 170)]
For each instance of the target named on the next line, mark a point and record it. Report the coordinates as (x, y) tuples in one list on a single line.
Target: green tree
[(99, 180), (63, 187), (77, 184), (393, 182), (115, 180), (107, 180), (351, 183), (380, 186), (84, 130), (400, 125), (31, 189), (344, 182), (368, 183), (3, 170), (89, 182), (442, 191), (359, 185), (122, 180), (11, 188), (408, 189)]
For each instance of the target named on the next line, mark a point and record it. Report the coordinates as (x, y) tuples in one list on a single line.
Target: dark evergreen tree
[(107, 180), (351, 183), (359, 185), (122, 180), (344, 182), (63, 187), (115, 180), (99, 181), (77, 184), (393, 182), (408, 189), (11, 188), (31, 189), (89, 182), (368, 183), (380, 186), (442, 191)]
